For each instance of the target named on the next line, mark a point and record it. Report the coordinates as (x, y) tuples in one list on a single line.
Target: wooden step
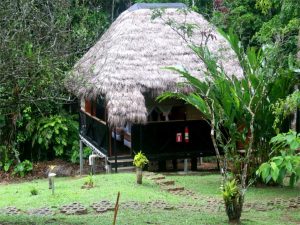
[(123, 163), (112, 161), (120, 157), (124, 169)]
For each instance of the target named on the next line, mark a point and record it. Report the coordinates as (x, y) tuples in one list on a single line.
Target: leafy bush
[(51, 131), (288, 163), (23, 168), (140, 160), (75, 153), (285, 107), (57, 132)]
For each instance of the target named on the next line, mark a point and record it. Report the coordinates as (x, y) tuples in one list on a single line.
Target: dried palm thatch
[(128, 61)]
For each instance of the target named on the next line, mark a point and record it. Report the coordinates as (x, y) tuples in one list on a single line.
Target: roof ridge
[(138, 6)]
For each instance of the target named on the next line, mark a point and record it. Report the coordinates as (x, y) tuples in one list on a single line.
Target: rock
[(61, 170), (157, 178), (173, 188), (165, 182)]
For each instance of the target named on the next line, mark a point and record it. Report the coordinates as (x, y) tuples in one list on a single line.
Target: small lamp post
[(51, 181)]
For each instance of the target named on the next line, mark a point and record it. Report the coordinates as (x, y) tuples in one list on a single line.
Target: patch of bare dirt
[(40, 170)]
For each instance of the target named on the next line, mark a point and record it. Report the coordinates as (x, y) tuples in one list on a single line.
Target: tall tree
[(39, 42)]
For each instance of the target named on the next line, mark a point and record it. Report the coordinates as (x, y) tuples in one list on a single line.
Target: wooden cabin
[(120, 77)]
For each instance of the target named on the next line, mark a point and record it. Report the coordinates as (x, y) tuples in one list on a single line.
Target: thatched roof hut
[(128, 60)]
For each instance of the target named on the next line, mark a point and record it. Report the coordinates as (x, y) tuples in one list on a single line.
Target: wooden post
[(174, 162), (81, 157), (194, 164), (116, 209)]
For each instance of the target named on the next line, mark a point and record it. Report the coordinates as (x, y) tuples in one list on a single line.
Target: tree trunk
[(139, 175), (234, 209), (213, 139), (295, 114)]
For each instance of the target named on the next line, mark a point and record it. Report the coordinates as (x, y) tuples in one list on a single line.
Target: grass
[(210, 186), (69, 190)]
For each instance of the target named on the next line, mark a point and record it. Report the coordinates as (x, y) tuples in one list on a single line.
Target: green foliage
[(233, 199), (290, 9), (89, 181), (285, 107), (39, 42), (287, 163), (75, 153), (6, 165), (268, 30), (277, 168), (242, 17), (264, 5), (230, 190), (51, 131), (23, 168), (34, 191), (140, 160), (56, 132), (263, 23), (5, 162), (288, 142), (231, 103)]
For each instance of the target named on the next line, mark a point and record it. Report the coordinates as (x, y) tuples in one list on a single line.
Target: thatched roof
[(129, 58)]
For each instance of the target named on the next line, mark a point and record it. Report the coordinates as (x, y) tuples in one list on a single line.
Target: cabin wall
[(159, 140)]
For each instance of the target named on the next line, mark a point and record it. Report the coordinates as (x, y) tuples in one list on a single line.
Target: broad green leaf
[(265, 170), (274, 172), (294, 144), (289, 166), (277, 160)]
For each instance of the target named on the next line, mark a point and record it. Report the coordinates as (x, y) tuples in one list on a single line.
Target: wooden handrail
[(93, 117)]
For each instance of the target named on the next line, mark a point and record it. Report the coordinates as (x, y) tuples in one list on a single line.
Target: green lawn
[(69, 190)]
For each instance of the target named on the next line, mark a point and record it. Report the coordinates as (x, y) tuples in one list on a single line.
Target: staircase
[(124, 163)]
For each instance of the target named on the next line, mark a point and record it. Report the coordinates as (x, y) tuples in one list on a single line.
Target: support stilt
[(115, 150), (81, 157), (185, 166)]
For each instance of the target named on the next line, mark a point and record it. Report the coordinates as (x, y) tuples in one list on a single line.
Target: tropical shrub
[(23, 168), (285, 164), (285, 107), (57, 132), (140, 160), (233, 199), (75, 157)]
